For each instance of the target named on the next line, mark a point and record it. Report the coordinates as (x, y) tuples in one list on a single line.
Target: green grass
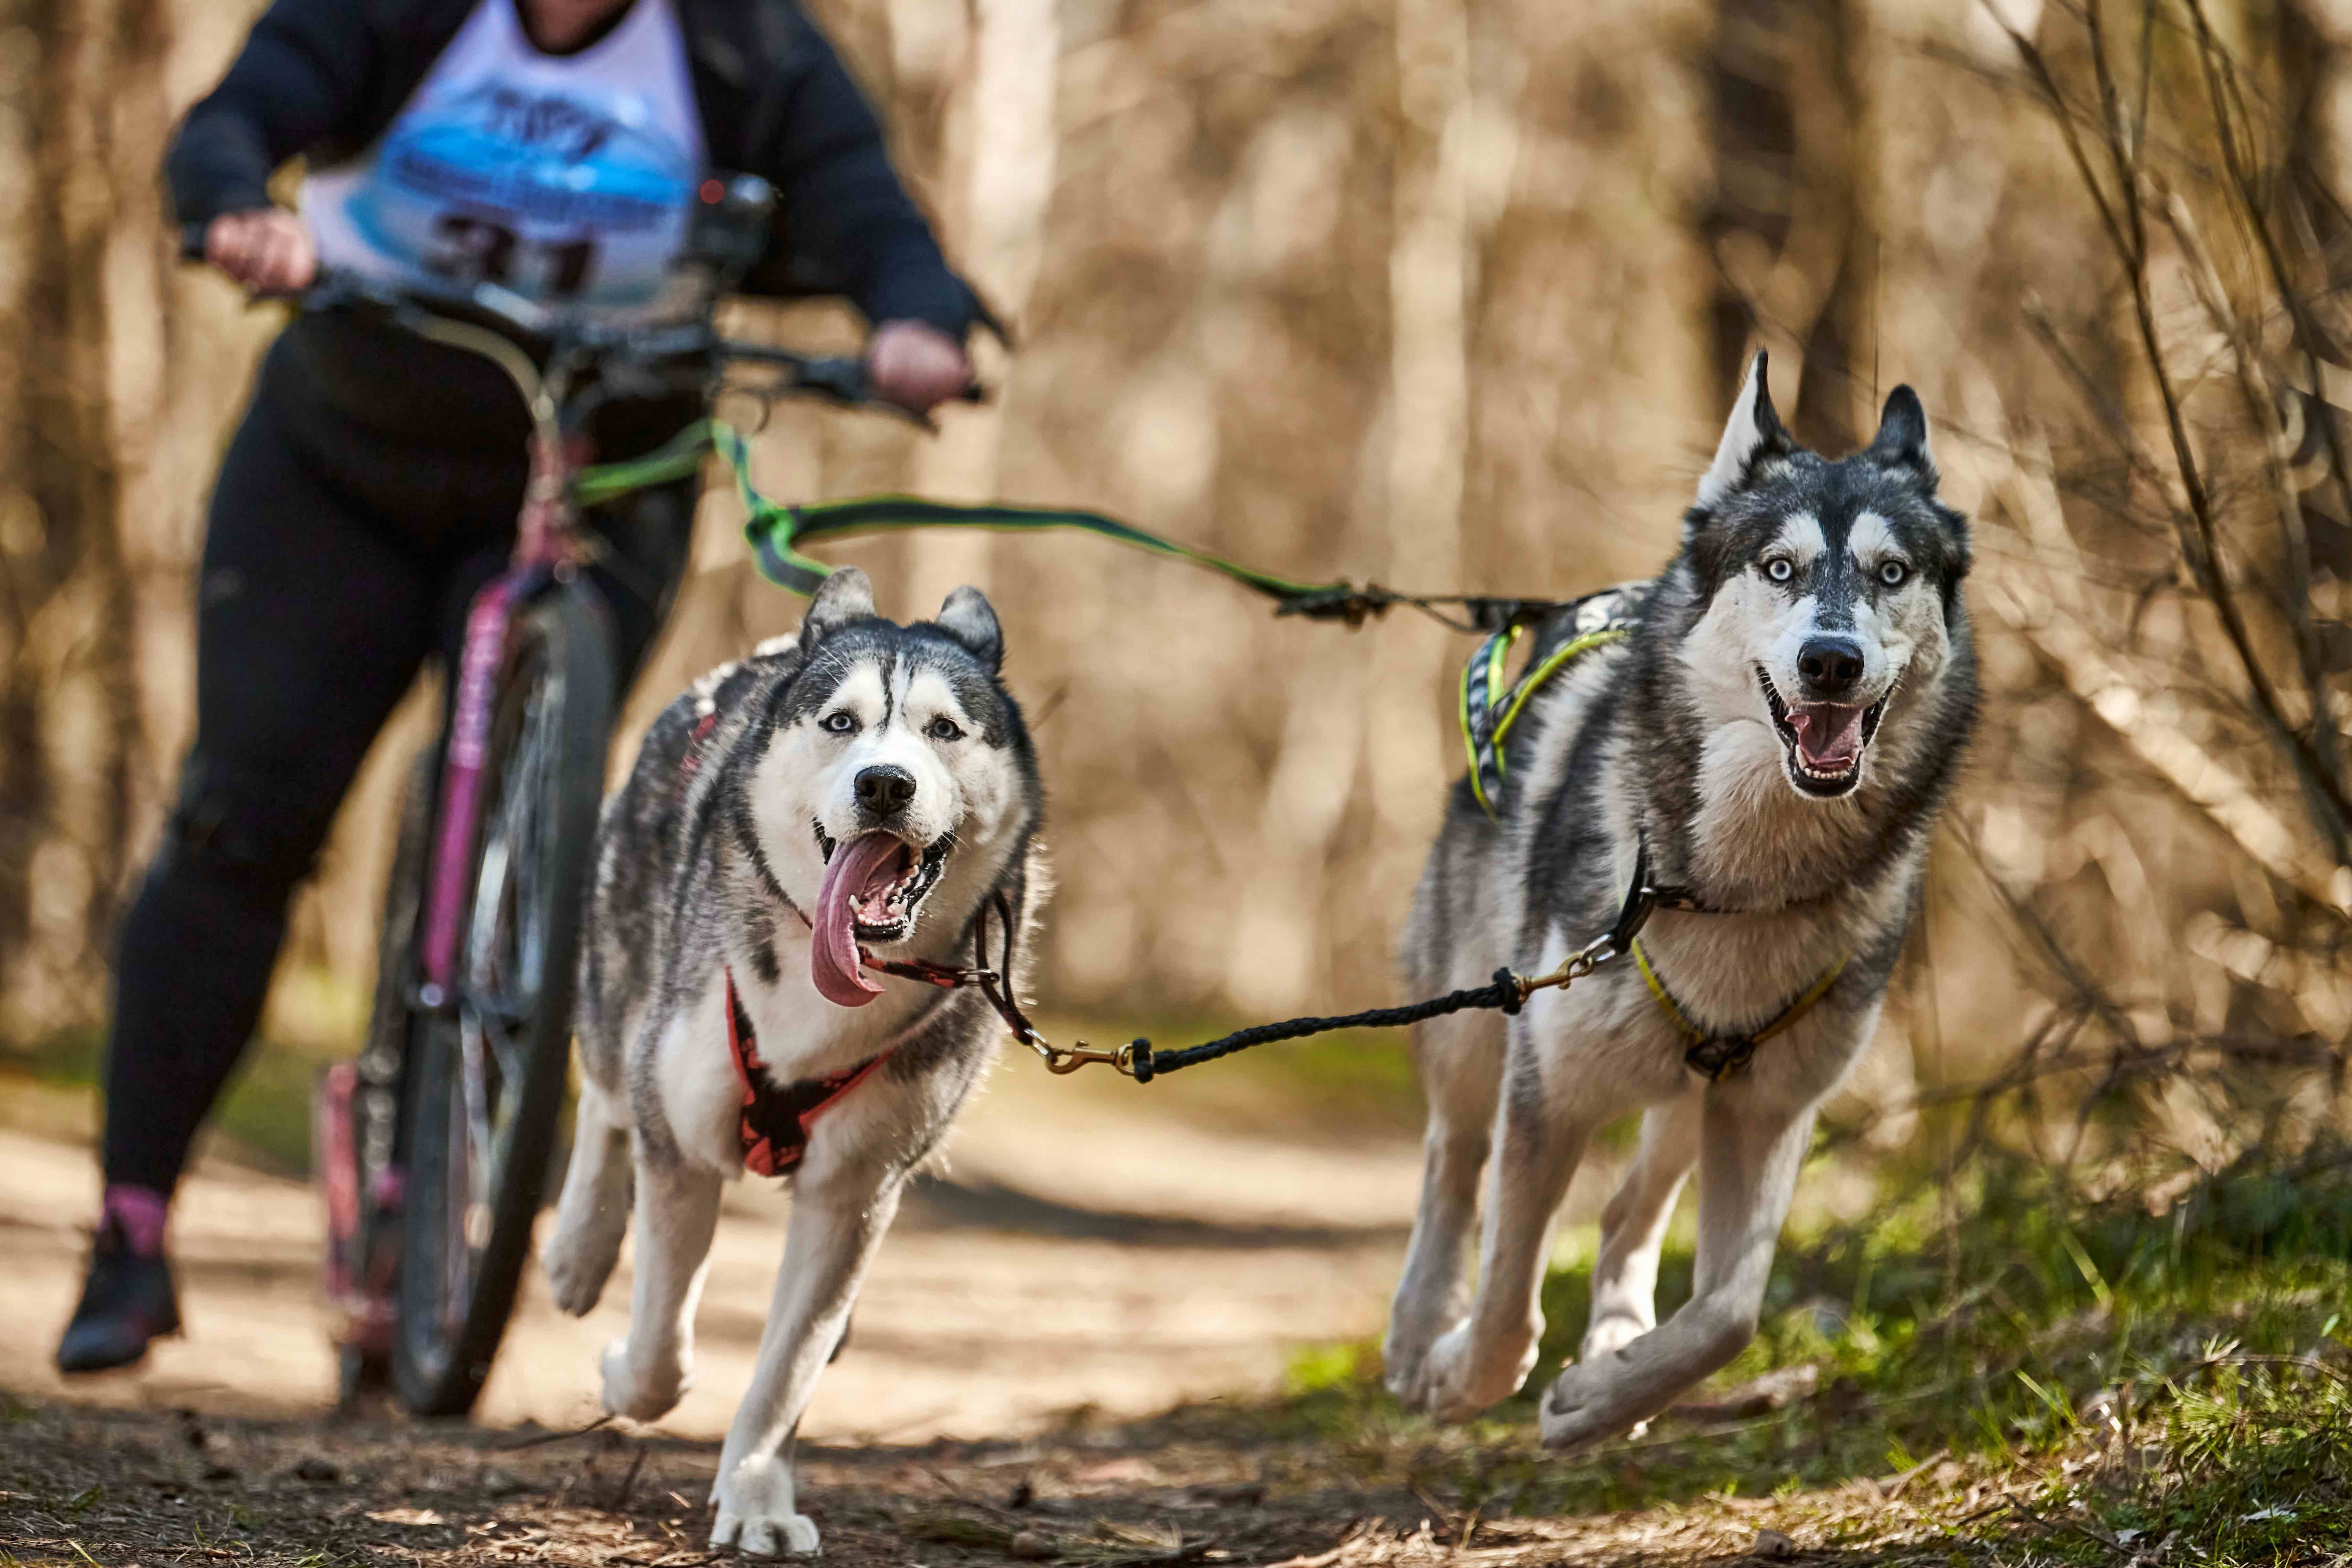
[(2110, 1376)]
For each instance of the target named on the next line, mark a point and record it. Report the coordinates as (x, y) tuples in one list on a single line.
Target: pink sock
[(141, 1212)]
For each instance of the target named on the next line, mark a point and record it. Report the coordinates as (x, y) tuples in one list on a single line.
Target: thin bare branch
[(2198, 528)]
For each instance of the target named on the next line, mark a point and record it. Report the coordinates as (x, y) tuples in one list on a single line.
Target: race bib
[(566, 178)]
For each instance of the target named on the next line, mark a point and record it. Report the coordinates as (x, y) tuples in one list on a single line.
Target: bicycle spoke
[(477, 1099), (508, 1046), (490, 890)]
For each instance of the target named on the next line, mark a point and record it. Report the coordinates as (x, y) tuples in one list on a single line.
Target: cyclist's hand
[(916, 366), (268, 250)]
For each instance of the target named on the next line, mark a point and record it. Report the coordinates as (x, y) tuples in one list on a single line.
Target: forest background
[(1444, 294)]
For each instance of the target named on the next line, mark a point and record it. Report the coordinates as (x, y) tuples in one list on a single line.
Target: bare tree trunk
[(70, 719), (1000, 151), (2315, 51), (1426, 429), (1788, 221)]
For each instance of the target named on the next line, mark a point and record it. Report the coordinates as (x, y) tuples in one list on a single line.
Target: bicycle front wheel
[(486, 1086)]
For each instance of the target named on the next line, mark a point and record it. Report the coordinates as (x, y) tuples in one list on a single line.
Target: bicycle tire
[(364, 1368), (554, 710)]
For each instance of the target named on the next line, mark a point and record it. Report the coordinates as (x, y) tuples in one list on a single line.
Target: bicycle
[(434, 1143)]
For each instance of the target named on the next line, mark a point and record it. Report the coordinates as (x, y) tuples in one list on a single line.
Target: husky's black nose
[(1831, 666), (885, 790)]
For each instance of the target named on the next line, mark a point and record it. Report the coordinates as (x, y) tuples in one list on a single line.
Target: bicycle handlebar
[(838, 378)]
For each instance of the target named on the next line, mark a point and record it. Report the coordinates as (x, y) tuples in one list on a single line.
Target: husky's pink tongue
[(1828, 734), (865, 866)]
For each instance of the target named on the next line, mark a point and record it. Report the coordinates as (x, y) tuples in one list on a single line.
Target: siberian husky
[(861, 794), (1780, 730)]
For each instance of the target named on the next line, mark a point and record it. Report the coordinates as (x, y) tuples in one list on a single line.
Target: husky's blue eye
[(944, 729), (838, 722), (1779, 569), (1892, 574)]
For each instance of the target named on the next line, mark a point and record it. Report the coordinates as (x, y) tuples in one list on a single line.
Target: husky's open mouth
[(893, 879), (1823, 741), (874, 885)]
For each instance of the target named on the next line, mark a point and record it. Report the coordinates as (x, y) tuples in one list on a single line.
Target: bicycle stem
[(536, 395)]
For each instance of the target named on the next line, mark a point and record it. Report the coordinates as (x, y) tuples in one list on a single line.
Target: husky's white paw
[(755, 1502), (576, 1270), (1461, 1377), (1404, 1353), (1582, 1408), (1427, 1382), (1401, 1370), (641, 1397)]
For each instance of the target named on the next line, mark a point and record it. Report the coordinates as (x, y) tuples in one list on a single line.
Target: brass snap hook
[(1063, 1061), (1580, 963)]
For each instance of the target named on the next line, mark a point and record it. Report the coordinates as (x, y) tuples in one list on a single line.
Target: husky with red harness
[(810, 897)]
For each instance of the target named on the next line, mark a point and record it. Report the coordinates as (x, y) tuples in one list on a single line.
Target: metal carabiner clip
[(1578, 965), (1065, 1060)]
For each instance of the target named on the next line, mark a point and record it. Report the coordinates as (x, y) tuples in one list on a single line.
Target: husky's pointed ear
[(847, 596), (968, 618), (1753, 432), (1902, 438)]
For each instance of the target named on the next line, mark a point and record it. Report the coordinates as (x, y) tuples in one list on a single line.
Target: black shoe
[(128, 1302)]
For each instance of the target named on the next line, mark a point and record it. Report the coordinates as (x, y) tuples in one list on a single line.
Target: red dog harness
[(773, 1124)]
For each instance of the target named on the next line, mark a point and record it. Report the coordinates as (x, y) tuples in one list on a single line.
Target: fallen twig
[(542, 1441), (620, 1502), (1892, 1487)]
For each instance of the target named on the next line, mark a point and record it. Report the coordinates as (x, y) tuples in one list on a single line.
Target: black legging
[(339, 554)]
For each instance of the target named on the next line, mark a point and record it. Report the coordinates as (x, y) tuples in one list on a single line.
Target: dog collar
[(773, 1126), (1676, 896), (1710, 1053)]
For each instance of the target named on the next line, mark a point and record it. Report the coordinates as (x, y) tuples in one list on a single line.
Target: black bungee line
[(1507, 993), (1502, 993)]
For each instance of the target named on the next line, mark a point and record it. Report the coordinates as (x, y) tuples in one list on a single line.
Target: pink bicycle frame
[(546, 545)]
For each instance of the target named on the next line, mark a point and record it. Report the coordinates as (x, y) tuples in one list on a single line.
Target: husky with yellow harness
[(1752, 750)]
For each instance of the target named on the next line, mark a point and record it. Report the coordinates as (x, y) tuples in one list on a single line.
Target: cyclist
[(549, 145)]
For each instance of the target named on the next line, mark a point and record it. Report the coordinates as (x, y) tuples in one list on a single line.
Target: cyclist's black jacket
[(323, 78)]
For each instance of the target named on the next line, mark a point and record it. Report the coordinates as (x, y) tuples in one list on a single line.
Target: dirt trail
[(1054, 1359), (1084, 1250)]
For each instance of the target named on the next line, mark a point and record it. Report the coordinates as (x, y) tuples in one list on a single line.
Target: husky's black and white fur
[(751, 793), (1781, 726)]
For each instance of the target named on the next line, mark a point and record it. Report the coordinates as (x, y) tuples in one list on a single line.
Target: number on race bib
[(568, 266), (471, 249)]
